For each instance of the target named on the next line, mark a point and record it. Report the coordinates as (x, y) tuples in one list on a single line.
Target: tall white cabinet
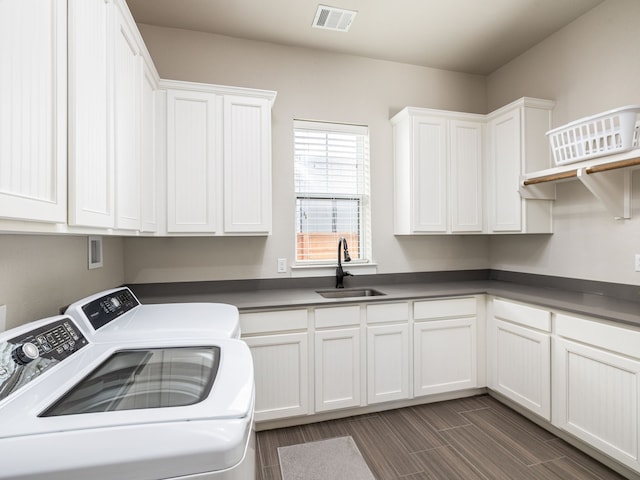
[(33, 99), (438, 172), (218, 159)]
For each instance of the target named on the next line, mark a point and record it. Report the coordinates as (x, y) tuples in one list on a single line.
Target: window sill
[(299, 271)]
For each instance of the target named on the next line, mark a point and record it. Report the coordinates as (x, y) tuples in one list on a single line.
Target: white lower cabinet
[(596, 378), (387, 352), (519, 347), (444, 346), (337, 358), (280, 362)]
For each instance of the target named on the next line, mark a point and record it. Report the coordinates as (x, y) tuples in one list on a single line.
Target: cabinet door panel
[(466, 176), (430, 175), (337, 369), (444, 355), (91, 200), (247, 165), (595, 398), (506, 214), (33, 113), (387, 363), (149, 163), (128, 82), (192, 161), (522, 366), (281, 372)]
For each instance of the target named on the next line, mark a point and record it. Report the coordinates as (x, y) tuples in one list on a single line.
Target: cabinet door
[(193, 167), (505, 159), (595, 398), (387, 363), (444, 355), (521, 366), (247, 165), (91, 201), (127, 81), (337, 368), (149, 162), (465, 174), (33, 112), (429, 179), (281, 371)]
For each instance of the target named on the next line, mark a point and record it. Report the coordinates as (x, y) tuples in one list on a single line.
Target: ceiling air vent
[(331, 18)]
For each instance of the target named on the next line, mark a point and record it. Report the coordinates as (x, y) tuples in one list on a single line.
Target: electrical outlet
[(3, 318), (637, 262), (282, 265)]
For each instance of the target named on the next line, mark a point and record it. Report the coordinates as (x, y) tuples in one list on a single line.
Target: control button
[(25, 353)]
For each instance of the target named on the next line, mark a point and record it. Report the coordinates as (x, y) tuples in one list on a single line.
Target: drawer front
[(625, 341), (522, 314), (274, 321), (337, 316), (450, 308), (388, 312)]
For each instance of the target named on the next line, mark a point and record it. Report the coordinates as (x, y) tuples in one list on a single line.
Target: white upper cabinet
[(518, 144), (218, 144), (33, 99), (460, 173), (111, 120), (91, 200), (438, 172)]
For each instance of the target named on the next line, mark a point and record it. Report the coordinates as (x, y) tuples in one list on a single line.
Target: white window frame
[(363, 198)]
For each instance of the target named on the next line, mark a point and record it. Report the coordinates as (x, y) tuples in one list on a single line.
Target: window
[(332, 191)]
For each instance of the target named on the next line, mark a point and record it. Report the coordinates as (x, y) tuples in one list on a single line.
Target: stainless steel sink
[(349, 293)]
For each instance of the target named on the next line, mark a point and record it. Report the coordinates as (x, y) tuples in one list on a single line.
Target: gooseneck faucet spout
[(340, 274)]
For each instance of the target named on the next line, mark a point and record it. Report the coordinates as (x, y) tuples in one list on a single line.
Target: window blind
[(332, 190)]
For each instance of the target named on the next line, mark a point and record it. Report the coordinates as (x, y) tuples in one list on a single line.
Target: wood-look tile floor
[(467, 439)]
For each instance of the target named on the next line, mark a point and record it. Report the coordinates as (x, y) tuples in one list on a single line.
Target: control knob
[(25, 353)]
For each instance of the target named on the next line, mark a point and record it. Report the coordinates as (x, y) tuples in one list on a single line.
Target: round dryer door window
[(143, 378)]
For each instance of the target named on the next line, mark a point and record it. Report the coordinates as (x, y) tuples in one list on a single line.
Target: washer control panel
[(25, 357), (105, 309)]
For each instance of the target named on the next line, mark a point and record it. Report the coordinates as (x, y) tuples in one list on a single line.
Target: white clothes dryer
[(98, 312)]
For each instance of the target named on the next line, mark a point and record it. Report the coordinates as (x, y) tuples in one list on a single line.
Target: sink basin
[(349, 293)]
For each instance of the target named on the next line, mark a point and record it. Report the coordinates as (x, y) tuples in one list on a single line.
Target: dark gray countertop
[(258, 298)]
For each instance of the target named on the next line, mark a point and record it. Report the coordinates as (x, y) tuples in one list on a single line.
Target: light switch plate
[(3, 318)]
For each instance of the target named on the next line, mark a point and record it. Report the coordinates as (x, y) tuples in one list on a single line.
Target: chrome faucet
[(340, 274)]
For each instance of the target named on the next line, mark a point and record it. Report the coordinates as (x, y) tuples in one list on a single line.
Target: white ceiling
[(473, 36)]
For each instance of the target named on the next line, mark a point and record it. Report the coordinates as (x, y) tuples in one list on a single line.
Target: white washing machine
[(128, 404)]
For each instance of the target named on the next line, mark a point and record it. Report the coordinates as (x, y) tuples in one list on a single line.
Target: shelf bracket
[(612, 188)]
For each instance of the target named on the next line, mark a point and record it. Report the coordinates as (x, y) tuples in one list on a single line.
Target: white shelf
[(607, 178)]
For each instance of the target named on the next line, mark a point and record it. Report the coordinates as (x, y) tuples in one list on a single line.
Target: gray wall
[(590, 66), (315, 86), (41, 273)]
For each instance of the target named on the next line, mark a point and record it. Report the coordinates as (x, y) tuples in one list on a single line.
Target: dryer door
[(141, 379)]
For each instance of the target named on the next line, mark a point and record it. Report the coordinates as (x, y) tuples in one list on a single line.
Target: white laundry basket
[(606, 133)]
